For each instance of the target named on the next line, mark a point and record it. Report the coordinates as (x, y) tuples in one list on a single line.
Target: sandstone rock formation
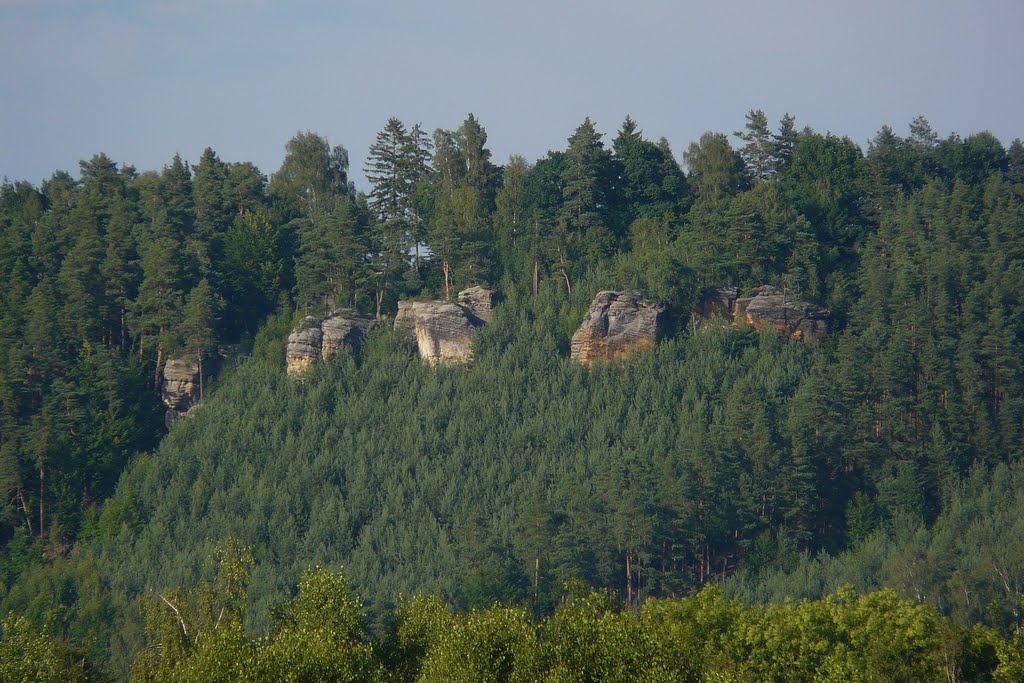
[(305, 345), (617, 323), (344, 329), (315, 339), (443, 331), (480, 300), (798, 319), (768, 306), (180, 387)]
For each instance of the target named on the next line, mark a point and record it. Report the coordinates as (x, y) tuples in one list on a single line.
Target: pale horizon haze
[(142, 81)]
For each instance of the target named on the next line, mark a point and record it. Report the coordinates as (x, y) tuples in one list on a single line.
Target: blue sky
[(144, 80)]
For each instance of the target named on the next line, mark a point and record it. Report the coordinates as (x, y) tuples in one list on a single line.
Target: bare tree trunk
[(536, 277), (20, 497), (42, 498), (536, 580), (565, 274), (159, 362), (629, 579)]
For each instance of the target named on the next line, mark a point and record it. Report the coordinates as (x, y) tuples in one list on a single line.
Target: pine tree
[(480, 173), (176, 198), (213, 210), (759, 152), (157, 307), (81, 285), (331, 256), (253, 267), (397, 162), (197, 329), (510, 220), (119, 275)]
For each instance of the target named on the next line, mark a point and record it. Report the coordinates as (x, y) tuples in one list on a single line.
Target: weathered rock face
[(443, 331), (480, 301), (344, 329), (305, 345), (767, 307), (798, 319), (618, 323), (315, 339), (180, 387)]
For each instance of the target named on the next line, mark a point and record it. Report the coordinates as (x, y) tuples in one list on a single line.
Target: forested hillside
[(886, 456)]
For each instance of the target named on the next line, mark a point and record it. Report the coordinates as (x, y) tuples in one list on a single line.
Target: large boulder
[(315, 339), (617, 324), (305, 345), (443, 331), (770, 307), (344, 329), (766, 306), (180, 387)]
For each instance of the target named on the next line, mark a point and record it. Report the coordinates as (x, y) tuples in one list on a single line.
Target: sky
[(143, 80)]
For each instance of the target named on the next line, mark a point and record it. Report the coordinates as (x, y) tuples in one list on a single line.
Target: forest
[(732, 505)]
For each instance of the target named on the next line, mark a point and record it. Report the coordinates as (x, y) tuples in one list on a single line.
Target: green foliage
[(887, 457), (27, 654)]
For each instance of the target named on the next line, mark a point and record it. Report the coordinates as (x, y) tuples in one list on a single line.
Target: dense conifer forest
[(650, 518)]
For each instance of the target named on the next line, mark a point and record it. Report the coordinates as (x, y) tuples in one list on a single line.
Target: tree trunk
[(24, 508), (565, 274), (536, 277), (42, 498), (159, 362), (200, 377), (629, 579)]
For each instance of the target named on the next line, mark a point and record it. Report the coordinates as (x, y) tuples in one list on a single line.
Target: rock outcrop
[(798, 319), (480, 300), (618, 323), (305, 345), (767, 307), (180, 387), (443, 331), (315, 339)]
